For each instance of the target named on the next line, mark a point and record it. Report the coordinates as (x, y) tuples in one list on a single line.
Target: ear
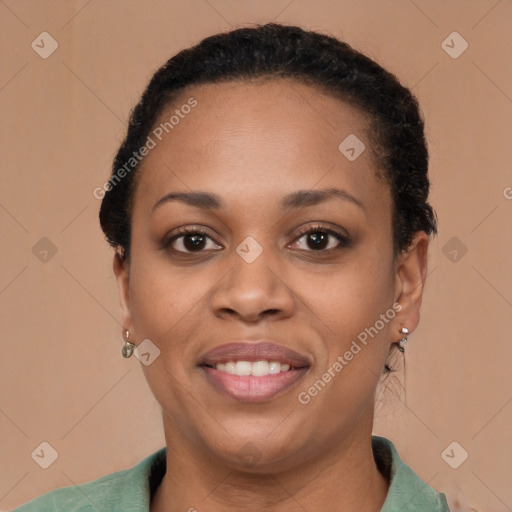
[(122, 273), (410, 275)]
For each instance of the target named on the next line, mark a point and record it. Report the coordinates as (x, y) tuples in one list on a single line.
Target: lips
[(253, 351), (291, 367)]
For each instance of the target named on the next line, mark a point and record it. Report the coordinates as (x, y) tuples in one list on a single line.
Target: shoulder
[(127, 490), (407, 491)]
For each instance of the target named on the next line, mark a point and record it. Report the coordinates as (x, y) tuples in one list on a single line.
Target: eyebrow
[(294, 200)]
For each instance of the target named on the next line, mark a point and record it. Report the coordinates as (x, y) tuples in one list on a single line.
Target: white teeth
[(230, 367), (275, 367), (258, 368), (243, 368)]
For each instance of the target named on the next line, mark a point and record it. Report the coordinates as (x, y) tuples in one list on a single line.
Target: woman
[(268, 210)]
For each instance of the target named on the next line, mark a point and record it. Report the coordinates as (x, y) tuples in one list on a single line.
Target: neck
[(345, 475)]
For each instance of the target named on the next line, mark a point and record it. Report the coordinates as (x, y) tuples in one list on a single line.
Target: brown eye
[(190, 240), (322, 239)]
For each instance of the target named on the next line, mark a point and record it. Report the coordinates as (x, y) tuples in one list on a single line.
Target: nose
[(253, 291)]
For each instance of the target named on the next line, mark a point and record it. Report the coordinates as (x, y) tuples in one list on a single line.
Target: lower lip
[(248, 388)]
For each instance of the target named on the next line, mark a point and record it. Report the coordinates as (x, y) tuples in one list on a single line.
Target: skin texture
[(253, 143)]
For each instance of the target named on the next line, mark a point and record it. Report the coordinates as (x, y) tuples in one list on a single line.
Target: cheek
[(165, 308), (169, 306), (355, 346), (348, 305), (353, 295), (162, 299)]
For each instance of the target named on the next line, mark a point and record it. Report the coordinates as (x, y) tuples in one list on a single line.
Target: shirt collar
[(407, 491)]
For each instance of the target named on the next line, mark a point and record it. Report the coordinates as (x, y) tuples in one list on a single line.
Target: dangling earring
[(403, 341), (127, 347)]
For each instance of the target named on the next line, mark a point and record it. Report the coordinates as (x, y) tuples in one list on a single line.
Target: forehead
[(262, 138)]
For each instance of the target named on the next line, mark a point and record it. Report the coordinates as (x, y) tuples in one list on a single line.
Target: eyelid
[(325, 227)]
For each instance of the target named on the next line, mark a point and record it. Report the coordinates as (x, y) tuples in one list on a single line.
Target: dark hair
[(279, 51)]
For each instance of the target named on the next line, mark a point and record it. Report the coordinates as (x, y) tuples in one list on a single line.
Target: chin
[(257, 451)]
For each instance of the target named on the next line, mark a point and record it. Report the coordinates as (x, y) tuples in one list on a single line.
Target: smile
[(253, 371)]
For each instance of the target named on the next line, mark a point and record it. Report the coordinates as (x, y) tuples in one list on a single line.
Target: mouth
[(253, 372)]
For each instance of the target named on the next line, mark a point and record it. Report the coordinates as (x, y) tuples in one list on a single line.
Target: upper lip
[(261, 350)]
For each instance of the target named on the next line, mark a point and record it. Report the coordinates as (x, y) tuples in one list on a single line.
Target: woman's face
[(265, 151)]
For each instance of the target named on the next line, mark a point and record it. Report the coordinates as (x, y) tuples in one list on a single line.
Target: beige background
[(63, 380)]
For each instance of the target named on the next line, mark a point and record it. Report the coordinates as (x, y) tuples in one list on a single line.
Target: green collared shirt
[(130, 490)]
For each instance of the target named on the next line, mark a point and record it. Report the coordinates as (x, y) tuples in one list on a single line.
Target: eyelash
[(344, 240)]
